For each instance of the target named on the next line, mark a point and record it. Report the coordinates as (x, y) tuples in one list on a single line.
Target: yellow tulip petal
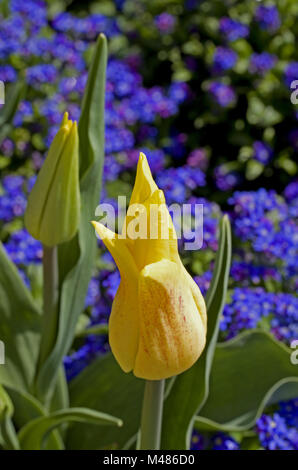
[(65, 120), (118, 249), (160, 240), (172, 334), (124, 324), (143, 188), (144, 184)]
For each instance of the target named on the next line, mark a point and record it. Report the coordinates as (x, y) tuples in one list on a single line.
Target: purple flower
[(248, 273), (223, 94), (226, 179), (165, 23), (44, 73), (268, 17), (289, 411), (232, 29), (178, 92), (291, 73), (13, 201), (88, 27), (274, 434), (262, 63), (23, 249), (291, 191), (112, 168), (7, 73), (249, 306), (204, 280), (197, 441), (293, 138), (24, 112), (7, 147), (262, 152), (222, 441), (177, 181), (111, 284), (198, 158), (224, 59)]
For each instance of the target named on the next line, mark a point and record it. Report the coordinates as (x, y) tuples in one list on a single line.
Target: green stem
[(152, 415), (50, 302)]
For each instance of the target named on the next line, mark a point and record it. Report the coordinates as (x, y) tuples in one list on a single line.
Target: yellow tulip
[(157, 326), (53, 210)]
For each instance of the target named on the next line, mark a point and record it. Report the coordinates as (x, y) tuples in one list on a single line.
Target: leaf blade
[(32, 435), (76, 258), (20, 323), (249, 372), (113, 392)]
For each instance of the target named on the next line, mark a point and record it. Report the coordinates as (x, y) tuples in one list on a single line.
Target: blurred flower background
[(204, 89)]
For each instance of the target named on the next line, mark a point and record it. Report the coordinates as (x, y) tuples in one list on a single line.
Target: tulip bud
[(53, 210), (158, 322)]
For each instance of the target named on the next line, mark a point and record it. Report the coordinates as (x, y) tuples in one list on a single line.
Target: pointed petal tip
[(73, 129), (142, 156), (65, 120), (65, 116), (104, 232)]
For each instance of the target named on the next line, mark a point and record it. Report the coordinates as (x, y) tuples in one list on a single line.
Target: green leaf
[(32, 435), (113, 392), (77, 257), (190, 389), (249, 372), (19, 327), (28, 408), (91, 125)]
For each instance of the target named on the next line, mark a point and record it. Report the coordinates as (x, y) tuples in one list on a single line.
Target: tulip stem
[(151, 421), (50, 301)]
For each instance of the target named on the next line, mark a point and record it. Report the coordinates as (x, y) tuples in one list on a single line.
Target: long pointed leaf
[(19, 327), (28, 408), (249, 371), (76, 258), (32, 435), (112, 391)]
